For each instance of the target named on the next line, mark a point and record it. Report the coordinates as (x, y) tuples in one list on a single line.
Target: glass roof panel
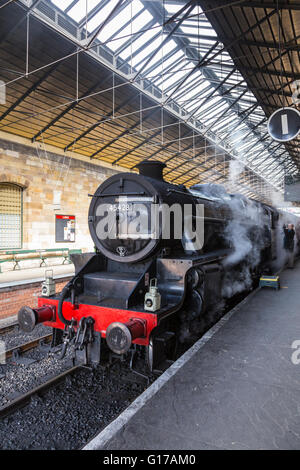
[(171, 7), (161, 69), (97, 19), (62, 4), (192, 40), (79, 10), (121, 19), (195, 30), (148, 50), (137, 43)]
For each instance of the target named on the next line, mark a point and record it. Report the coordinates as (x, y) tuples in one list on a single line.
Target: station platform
[(23, 287), (27, 276), (237, 388)]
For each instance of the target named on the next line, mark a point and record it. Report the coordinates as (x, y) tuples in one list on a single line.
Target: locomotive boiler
[(159, 273)]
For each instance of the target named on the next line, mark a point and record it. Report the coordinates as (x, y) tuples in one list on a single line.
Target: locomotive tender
[(109, 307)]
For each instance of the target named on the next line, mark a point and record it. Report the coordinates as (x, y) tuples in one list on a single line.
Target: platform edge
[(99, 441)]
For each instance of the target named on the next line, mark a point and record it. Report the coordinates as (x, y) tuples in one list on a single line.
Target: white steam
[(236, 168), (277, 199), (245, 234), (242, 233)]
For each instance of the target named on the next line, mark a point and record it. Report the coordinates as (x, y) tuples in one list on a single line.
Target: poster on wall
[(65, 228)]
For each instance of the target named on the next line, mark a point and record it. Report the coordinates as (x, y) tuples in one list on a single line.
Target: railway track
[(8, 328), (25, 399), (21, 348), (96, 400)]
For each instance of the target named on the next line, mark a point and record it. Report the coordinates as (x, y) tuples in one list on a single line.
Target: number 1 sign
[(284, 124)]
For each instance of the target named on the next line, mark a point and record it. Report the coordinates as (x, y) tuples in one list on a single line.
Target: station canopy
[(190, 83)]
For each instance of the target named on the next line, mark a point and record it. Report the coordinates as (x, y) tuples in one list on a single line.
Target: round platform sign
[(284, 124)]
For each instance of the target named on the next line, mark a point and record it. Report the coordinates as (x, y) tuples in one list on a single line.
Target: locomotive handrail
[(191, 193), (117, 194)]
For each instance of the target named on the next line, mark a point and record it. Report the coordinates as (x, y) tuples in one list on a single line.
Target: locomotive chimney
[(153, 169)]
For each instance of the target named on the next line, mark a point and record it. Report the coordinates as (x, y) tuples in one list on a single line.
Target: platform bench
[(22, 255)]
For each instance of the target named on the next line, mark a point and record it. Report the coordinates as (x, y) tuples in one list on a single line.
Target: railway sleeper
[(19, 358)]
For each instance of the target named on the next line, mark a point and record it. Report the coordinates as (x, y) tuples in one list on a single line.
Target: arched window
[(11, 212)]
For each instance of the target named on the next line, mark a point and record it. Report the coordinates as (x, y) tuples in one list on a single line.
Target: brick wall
[(15, 297), (42, 174)]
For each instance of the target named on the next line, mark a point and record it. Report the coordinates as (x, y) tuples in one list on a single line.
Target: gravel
[(17, 337), (70, 414), (19, 378)]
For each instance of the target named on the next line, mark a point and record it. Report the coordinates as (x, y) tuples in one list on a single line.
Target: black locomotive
[(152, 283)]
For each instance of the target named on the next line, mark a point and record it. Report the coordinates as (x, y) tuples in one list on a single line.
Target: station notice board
[(65, 228)]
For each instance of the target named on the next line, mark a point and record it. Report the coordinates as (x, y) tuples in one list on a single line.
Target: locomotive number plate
[(122, 207)]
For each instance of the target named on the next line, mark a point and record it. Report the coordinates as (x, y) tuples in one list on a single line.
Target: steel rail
[(7, 328), (21, 348), (25, 399)]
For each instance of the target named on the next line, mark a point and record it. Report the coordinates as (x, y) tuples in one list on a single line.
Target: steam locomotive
[(150, 287)]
